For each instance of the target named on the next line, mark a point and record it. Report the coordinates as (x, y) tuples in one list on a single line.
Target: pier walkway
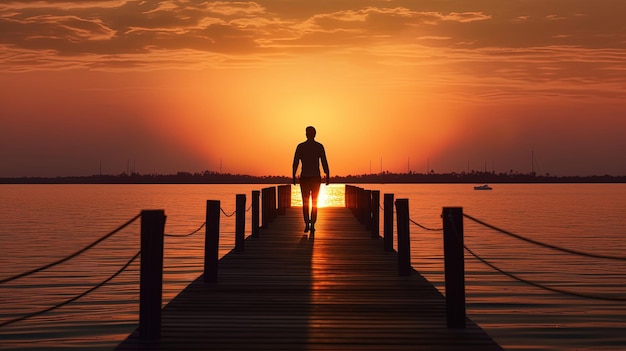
[(334, 290)]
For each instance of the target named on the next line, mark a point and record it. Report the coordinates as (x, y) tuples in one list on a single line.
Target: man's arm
[(325, 166), (294, 167)]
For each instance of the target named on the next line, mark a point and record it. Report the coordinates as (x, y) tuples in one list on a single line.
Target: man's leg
[(306, 195), (315, 190)]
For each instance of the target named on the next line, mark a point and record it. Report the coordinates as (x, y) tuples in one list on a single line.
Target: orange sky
[(167, 86)]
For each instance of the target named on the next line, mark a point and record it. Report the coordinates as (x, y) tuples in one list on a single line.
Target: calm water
[(42, 223)]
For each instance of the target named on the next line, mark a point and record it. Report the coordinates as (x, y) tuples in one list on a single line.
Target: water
[(583, 217), (43, 223)]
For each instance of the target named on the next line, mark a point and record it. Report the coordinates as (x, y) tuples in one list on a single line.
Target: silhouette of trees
[(210, 177)]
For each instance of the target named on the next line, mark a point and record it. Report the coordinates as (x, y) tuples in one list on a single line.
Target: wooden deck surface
[(335, 290)]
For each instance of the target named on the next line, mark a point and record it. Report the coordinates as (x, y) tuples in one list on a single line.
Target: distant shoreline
[(382, 178)]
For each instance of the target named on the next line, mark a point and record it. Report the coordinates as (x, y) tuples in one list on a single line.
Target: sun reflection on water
[(331, 195)]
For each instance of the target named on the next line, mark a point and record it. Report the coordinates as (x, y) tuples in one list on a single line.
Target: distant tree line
[(475, 177), (208, 177)]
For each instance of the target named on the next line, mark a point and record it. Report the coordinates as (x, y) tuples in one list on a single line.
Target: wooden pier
[(335, 290)]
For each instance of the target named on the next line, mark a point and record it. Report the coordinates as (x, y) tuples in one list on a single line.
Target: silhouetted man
[(310, 153)]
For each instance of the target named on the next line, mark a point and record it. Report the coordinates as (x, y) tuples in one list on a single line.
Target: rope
[(537, 285), (75, 297), (570, 251), (421, 226), (541, 286), (185, 235), (226, 214), (6, 280), (414, 222)]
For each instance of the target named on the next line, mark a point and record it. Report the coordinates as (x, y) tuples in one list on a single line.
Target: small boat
[(483, 187)]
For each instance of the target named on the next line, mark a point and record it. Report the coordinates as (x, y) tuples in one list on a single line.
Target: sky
[(90, 87)]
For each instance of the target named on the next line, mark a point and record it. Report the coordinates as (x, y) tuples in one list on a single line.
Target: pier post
[(388, 222), (264, 208), (284, 198), (151, 274), (240, 222), (264, 205), (281, 198), (273, 202), (367, 209), (255, 213), (404, 242), (351, 198), (359, 204), (268, 200), (287, 195), (454, 266), (362, 206), (375, 207), (212, 240)]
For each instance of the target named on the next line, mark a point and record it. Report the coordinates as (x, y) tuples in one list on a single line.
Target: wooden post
[(281, 199), (273, 207), (404, 243), (284, 198), (454, 266), (265, 207), (375, 206), (255, 213), (359, 204), (367, 209), (240, 222), (351, 198), (287, 194), (264, 221), (268, 199), (151, 274), (388, 222), (212, 240)]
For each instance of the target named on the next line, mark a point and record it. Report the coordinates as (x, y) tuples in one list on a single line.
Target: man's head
[(310, 132)]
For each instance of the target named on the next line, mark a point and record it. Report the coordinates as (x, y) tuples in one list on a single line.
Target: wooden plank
[(335, 290)]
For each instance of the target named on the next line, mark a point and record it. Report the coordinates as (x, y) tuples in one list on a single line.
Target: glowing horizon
[(332, 195)]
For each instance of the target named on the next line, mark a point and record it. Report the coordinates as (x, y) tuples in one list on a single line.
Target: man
[(310, 153)]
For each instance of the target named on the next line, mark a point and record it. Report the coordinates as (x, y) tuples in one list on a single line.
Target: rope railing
[(153, 222), (57, 262), (188, 234), (528, 282), (417, 224), (227, 214), (234, 212), (83, 294), (204, 224), (424, 227), (554, 247), (414, 222), (539, 285)]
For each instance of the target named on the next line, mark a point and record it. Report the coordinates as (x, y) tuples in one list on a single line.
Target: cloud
[(484, 42), (130, 27), (123, 27)]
